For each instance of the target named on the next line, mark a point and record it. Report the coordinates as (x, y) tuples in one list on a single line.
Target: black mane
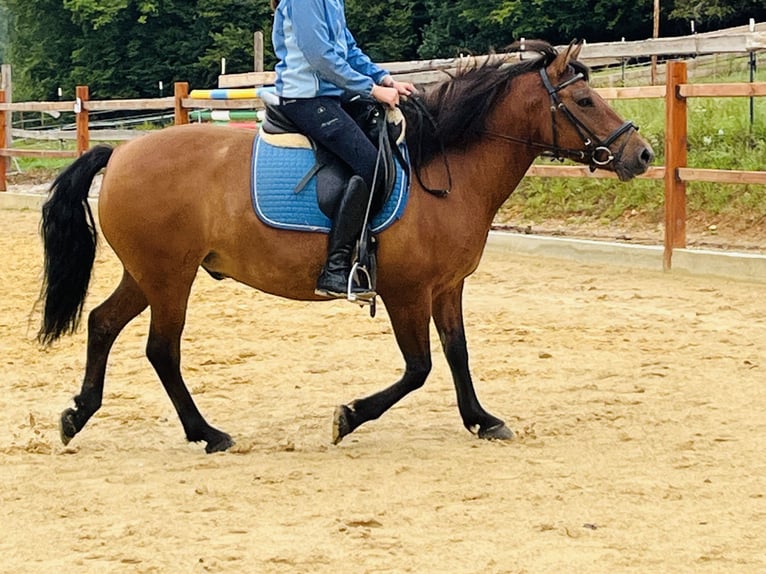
[(454, 112)]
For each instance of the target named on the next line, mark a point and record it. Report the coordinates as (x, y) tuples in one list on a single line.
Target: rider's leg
[(346, 229), (328, 124)]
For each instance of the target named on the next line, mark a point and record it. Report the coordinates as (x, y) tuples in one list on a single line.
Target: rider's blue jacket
[(317, 54)]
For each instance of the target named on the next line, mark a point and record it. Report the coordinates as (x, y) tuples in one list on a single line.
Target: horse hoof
[(67, 427), (496, 432), (340, 424), (219, 443)]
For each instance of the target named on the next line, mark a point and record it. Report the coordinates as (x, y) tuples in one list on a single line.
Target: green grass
[(27, 164)]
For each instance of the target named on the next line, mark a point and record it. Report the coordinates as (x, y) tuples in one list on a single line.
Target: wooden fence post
[(6, 84), (3, 182), (258, 51), (180, 92), (81, 110), (675, 157)]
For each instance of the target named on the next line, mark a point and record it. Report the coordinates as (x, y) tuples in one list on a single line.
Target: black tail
[(69, 239)]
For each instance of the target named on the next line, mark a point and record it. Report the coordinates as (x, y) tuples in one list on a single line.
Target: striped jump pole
[(239, 118), (224, 94), (227, 115)]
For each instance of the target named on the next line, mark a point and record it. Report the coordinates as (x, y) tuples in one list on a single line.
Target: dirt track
[(638, 398)]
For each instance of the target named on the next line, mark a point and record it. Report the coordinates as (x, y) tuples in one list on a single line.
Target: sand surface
[(638, 397)]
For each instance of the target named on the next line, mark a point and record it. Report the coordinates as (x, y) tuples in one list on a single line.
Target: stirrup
[(364, 298)]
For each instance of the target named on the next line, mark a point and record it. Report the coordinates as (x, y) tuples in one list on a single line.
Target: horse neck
[(490, 171), (506, 160), (485, 173)]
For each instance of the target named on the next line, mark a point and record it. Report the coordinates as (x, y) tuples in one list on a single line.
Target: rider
[(319, 62)]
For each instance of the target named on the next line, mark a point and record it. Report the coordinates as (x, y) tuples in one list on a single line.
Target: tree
[(41, 42), (386, 31), (463, 26), (146, 42), (4, 19), (592, 20), (715, 14), (123, 48), (230, 26)]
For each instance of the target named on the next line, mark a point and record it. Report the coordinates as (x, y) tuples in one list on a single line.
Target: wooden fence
[(675, 172), (740, 40)]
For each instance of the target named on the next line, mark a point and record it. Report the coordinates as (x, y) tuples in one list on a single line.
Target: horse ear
[(573, 50), (560, 64)]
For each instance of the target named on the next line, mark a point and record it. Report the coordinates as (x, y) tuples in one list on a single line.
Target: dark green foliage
[(715, 14), (42, 42), (4, 29), (124, 48), (594, 20), (463, 27), (386, 31)]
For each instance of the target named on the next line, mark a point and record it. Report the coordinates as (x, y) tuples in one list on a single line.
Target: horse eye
[(585, 102)]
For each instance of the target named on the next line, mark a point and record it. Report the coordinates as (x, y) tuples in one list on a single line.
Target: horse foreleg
[(163, 350), (105, 322), (410, 325), (448, 317)]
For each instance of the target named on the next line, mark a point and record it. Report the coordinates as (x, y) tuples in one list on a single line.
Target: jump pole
[(225, 94), (233, 116)]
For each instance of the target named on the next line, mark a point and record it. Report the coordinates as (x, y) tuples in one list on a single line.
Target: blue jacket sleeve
[(361, 62), (356, 73)]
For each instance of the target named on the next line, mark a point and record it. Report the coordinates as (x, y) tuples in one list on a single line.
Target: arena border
[(723, 264)]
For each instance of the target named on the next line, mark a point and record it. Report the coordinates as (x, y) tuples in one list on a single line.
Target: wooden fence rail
[(675, 173)]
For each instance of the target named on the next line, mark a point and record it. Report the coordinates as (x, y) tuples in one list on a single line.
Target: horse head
[(543, 104), (571, 120)]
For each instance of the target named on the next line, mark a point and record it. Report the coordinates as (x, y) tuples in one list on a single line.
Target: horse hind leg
[(105, 323), (163, 350)]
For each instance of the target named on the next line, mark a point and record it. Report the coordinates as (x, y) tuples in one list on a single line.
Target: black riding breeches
[(326, 122)]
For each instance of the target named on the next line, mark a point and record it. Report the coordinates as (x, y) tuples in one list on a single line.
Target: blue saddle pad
[(276, 172)]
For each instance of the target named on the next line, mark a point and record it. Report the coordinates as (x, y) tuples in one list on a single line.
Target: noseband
[(596, 153)]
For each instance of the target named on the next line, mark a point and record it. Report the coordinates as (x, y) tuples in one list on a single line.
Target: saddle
[(384, 128)]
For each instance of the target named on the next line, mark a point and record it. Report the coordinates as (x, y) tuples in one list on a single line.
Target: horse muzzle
[(634, 160)]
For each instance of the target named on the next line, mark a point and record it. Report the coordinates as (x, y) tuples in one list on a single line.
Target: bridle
[(596, 153)]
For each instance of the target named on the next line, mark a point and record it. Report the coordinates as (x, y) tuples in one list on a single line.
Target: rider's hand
[(385, 95), (404, 88)]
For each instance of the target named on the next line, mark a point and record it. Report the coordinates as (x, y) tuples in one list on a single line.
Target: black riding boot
[(346, 229)]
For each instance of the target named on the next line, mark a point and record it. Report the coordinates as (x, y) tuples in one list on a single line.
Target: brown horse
[(179, 199)]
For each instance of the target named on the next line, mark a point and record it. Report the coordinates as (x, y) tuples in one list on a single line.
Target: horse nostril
[(647, 156)]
